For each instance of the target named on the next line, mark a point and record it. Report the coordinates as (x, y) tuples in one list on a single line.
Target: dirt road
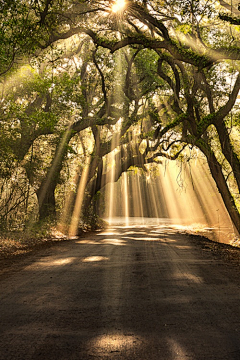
[(129, 293)]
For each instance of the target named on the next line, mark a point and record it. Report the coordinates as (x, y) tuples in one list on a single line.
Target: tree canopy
[(146, 79)]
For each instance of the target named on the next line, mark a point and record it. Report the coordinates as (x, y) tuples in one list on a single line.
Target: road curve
[(139, 293)]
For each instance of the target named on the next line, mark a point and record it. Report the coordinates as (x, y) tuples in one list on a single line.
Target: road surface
[(138, 293)]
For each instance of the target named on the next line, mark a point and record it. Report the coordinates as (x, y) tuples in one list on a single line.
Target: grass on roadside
[(22, 242)]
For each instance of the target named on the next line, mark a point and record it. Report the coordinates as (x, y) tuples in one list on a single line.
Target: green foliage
[(73, 84), (231, 19), (146, 63), (205, 122), (18, 35)]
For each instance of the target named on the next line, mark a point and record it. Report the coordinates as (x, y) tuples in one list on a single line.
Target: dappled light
[(106, 239), (116, 342), (95, 259), (89, 242), (116, 242), (108, 233), (190, 277), (142, 238), (59, 262), (177, 349)]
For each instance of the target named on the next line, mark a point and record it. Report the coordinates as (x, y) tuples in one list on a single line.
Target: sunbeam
[(73, 229), (125, 196), (175, 195)]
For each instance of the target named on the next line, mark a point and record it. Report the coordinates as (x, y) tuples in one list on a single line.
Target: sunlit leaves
[(17, 33), (146, 66)]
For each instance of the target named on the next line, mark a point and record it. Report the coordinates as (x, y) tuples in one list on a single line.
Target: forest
[(86, 86)]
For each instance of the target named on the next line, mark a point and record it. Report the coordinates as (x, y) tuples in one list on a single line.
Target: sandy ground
[(126, 293)]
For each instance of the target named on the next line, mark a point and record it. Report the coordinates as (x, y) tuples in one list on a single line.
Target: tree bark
[(46, 191), (46, 201), (228, 151), (216, 171)]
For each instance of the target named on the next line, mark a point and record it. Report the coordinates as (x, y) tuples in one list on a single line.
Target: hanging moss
[(205, 122), (231, 19), (178, 120), (232, 51), (105, 42), (201, 61)]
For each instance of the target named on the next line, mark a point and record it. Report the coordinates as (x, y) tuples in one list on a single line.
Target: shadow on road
[(126, 293)]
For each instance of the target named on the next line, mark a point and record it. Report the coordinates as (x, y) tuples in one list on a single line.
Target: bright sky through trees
[(161, 67), (118, 5)]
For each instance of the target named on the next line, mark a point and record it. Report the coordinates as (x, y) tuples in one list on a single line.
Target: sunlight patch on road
[(177, 350), (130, 232), (115, 343), (106, 241), (188, 276), (95, 259), (89, 242), (136, 232), (60, 262), (183, 247), (118, 242), (108, 233), (143, 238)]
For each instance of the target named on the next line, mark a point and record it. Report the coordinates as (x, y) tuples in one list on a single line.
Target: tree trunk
[(228, 151), (216, 171), (46, 191), (46, 201)]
